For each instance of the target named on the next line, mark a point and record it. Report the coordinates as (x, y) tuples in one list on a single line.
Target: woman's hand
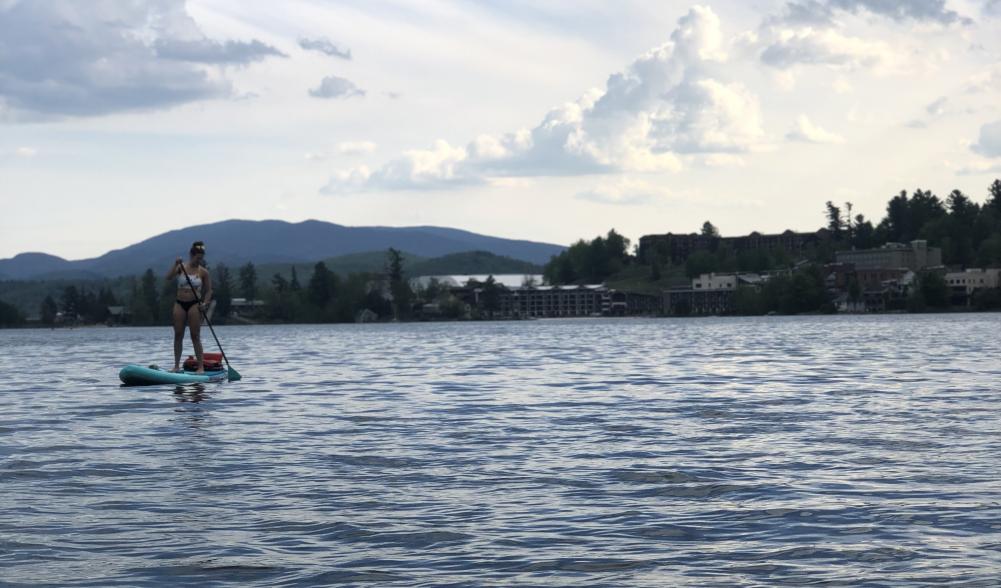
[(174, 269)]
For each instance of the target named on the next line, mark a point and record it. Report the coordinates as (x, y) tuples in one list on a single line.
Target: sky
[(542, 120)]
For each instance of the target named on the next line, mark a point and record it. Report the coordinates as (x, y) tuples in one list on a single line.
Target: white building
[(973, 279), (715, 282), (725, 281)]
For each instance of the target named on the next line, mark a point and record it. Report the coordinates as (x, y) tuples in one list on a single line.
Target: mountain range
[(235, 242)]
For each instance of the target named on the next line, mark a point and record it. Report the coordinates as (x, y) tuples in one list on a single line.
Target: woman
[(186, 308)]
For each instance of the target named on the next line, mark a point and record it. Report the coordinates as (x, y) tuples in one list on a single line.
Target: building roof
[(245, 302)]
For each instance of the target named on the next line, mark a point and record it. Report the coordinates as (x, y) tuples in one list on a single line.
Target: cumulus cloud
[(336, 87), (208, 51), (988, 81), (624, 192), (805, 131), (824, 11), (68, 58), (989, 142), (325, 46), (667, 105), (815, 46), (355, 147), (918, 10), (810, 32), (978, 168)]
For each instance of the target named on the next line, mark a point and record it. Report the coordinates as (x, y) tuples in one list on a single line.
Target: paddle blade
[(234, 375)]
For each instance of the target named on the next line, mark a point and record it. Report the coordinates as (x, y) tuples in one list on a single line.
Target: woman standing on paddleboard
[(186, 309)]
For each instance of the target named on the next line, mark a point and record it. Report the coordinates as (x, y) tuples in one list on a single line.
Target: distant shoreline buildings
[(876, 279)]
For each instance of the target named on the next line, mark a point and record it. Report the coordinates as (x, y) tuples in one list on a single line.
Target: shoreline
[(518, 320)]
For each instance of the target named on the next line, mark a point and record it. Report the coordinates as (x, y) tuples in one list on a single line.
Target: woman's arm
[(172, 272), (206, 286)]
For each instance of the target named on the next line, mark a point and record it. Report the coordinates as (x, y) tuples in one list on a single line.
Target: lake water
[(759, 451)]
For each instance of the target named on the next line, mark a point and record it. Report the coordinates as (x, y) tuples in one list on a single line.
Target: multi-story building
[(562, 301), (878, 288), (677, 248), (915, 256), (962, 285), (708, 294)]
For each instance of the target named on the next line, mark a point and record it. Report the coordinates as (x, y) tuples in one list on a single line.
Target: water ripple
[(835, 451)]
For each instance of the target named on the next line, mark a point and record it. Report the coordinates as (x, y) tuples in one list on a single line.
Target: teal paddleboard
[(137, 375)]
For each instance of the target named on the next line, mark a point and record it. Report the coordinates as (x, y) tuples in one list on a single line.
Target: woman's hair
[(197, 247)]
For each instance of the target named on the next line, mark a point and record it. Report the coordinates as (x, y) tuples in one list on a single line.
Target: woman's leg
[(195, 325), (180, 319)]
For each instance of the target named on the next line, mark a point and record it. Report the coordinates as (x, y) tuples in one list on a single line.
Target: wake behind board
[(137, 375)]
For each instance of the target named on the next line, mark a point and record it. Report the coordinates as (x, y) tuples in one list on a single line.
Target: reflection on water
[(195, 392), (812, 450)]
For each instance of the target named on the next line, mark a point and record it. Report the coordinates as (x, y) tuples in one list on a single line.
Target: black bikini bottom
[(186, 304)]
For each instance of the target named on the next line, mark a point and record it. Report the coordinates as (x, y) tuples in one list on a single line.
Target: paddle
[(232, 375)]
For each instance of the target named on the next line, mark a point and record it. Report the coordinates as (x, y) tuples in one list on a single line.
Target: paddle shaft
[(207, 321)]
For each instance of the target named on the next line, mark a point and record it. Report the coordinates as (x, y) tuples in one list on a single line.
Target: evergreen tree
[(294, 285), (222, 291), (150, 297), (248, 281), (491, 296), (71, 302), (617, 246), (934, 290), (994, 197), (834, 222), (863, 234), (48, 311), (320, 289), (398, 285), (10, 316), (896, 224)]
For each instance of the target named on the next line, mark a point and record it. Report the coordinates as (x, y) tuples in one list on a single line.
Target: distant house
[(962, 285), (67, 318), (366, 316), (118, 315), (242, 307), (709, 294)]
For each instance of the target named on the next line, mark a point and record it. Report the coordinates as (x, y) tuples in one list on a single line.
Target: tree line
[(968, 233), (325, 297)]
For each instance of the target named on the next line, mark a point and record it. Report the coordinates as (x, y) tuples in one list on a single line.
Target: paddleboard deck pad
[(138, 375)]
